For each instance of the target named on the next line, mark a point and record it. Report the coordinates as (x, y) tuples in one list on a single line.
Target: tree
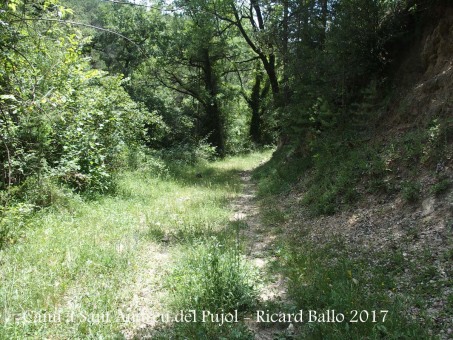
[(193, 60), (257, 35), (256, 102), (59, 118)]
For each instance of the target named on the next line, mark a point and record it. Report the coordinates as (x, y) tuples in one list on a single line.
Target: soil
[(381, 228), (259, 250)]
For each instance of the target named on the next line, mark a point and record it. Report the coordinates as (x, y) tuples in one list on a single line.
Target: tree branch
[(182, 89), (85, 25), (259, 15), (246, 61), (140, 5)]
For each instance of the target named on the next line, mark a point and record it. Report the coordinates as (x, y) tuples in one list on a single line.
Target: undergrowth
[(342, 166), (326, 278), (215, 282), (78, 259)]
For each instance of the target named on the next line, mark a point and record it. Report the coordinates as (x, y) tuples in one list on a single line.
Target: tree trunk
[(255, 106), (269, 66), (285, 52), (323, 5), (214, 124)]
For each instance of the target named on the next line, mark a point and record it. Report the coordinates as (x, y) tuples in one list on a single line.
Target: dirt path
[(155, 259), (147, 301), (260, 243)]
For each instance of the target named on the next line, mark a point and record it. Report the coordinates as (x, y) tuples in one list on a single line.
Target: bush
[(13, 221), (189, 154), (43, 192), (107, 123), (411, 191), (212, 277), (75, 121), (441, 187)]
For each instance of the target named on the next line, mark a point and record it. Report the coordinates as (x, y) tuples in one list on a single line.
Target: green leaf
[(8, 96), (12, 6)]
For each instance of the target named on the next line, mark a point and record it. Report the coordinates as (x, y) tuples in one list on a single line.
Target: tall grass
[(78, 261), (216, 282), (327, 278)]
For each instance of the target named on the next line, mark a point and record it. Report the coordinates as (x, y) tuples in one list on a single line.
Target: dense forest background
[(86, 84)]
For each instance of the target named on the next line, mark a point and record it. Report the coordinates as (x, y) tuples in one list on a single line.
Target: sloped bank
[(367, 216)]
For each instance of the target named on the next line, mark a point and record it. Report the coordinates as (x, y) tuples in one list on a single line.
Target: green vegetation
[(326, 272), (342, 167), (334, 274), (125, 127), (79, 259), (411, 191), (214, 277), (441, 186), (61, 120), (325, 278), (197, 79)]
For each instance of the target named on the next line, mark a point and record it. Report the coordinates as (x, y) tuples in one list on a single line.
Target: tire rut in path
[(148, 296), (259, 245)]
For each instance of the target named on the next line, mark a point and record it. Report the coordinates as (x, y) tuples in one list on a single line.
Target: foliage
[(326, 278), (13, 222), (90, 258), (343, 165), (212, 278), (108, 121), (441, 186), (59, 117), (88, 91), (411, 191), (189, 153)]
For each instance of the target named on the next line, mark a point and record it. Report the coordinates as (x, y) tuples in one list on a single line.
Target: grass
[(77, 262), (339, 170), (81, 261), (341, 166), (340, 278), (330, 174), (214, 280)]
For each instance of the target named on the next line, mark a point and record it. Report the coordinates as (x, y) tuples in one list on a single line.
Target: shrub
[(74, 121), (13, 221), (189, 153), (43, 192), (441, 187), (411, 191), (213, 277)]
